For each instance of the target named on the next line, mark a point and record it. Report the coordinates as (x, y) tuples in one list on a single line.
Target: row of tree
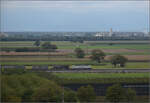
[(46, 46), (98, 55), (32, 88)]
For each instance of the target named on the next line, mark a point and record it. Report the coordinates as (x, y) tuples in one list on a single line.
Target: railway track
[(103, 71)]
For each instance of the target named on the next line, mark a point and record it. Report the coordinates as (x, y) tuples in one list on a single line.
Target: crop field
[(137, 53)]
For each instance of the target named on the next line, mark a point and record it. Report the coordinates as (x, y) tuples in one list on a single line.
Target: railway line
[(103, 71), (74, 69)]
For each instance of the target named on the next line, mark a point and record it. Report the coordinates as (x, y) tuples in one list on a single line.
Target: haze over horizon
[(74, 16)]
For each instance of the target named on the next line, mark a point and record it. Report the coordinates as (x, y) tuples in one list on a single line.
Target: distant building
[(99, 34), (2, 35), (111, 32)]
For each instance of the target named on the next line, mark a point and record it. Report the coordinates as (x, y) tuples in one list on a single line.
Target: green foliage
[(26, 87), (70, 96), (118, 59), (79, 53), (8, 94), (48, 92), (69, 78), (130, 95), (37, 43), (48, 45), (98, 55), (115, 94), (86, 94), (27, 49)]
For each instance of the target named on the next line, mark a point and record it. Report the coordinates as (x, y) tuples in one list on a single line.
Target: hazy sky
[(74, 15)]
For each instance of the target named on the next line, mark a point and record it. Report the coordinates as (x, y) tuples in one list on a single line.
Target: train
[(46, 67)]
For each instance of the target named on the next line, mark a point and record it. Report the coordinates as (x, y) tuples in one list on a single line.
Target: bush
[(86, 94), (49, 46), (70, 96), (115, 94), (25, 49), (118, 60), (49, 92), (29, 88), (118, 94), (79, 53), (98, 55)]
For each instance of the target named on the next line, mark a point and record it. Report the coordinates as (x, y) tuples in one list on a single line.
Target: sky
[(74, 16)]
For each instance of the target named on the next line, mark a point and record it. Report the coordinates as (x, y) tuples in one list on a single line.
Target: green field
[(133, 47), (71, 45), (129, 65), (105, 46), (101, 75), (94, 78)]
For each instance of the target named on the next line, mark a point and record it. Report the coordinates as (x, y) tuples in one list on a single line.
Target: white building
[(111, 32)]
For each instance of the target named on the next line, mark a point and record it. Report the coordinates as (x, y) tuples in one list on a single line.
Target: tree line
[(33, 88)]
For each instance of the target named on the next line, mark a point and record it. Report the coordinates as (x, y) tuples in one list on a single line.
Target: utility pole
[(63, 95)]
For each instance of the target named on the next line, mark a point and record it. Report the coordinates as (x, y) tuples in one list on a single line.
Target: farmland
[(137, 53)]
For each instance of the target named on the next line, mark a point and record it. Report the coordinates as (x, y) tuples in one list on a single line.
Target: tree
[(48, 45), (118, 60), (98, 55), (49, 92), (79, 53), (37, 43), (70, 96), (130, 95), (86, 94), (115, 94)]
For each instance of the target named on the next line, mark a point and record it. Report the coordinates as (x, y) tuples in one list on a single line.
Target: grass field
[(101, 75), (94, 78), (71, 45)]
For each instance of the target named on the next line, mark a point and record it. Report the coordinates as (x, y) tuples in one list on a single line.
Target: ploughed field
[(137, 53)]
